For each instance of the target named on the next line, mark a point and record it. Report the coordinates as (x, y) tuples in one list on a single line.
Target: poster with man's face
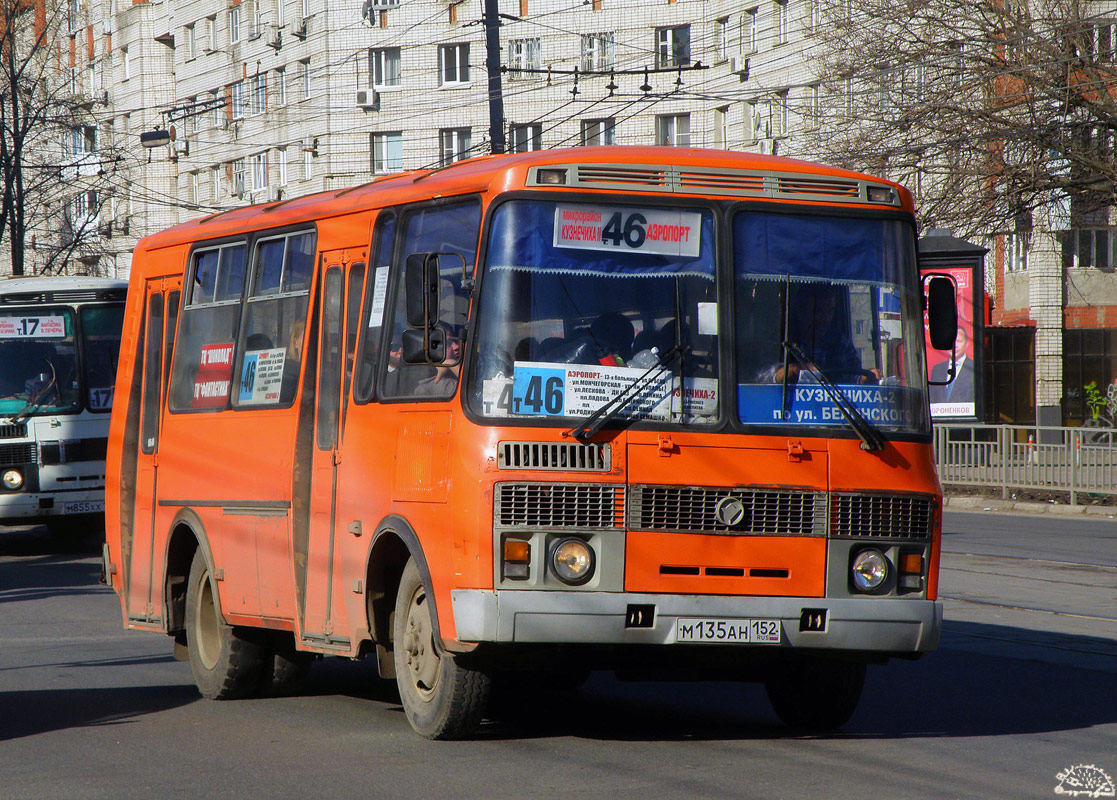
[(957, 398)]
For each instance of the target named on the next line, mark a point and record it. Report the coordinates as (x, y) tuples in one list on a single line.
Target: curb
[(986, 504)]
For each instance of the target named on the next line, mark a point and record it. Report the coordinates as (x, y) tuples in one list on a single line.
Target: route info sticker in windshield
[(633, 230)]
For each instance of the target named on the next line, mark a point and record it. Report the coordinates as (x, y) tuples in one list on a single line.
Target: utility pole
[(492, 64)]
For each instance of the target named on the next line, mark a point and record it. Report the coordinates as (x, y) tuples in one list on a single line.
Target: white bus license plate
[(84, 507), (727, 631)]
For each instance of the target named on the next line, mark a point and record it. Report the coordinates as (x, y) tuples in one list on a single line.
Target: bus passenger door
[(319, 608), (143, 594)]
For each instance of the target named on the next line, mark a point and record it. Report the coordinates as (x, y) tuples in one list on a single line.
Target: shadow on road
[(33, 712)]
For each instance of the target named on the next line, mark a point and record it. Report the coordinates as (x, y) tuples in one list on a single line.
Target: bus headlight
[(572, 561), (869, 570), (13, 479)]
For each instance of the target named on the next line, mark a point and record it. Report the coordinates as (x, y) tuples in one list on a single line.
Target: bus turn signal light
[(911, 564), (517, 559)]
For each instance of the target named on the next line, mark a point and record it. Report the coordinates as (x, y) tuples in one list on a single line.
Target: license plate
[(84, 507), (727, 631)]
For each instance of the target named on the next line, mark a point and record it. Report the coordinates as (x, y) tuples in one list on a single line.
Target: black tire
[(226, 661), (815, 694), (285, 668), (442, 697)]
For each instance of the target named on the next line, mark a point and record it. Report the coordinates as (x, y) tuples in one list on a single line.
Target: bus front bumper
[(896, 626)]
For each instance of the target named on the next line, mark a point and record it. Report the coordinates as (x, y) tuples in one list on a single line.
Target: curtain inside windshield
[(582, 299)]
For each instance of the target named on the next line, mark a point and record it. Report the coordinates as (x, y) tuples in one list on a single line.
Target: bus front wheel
[(815, 694), (442, 697), (226, 661)]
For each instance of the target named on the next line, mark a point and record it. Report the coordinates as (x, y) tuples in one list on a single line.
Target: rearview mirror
[(421, 277), (942, 312)]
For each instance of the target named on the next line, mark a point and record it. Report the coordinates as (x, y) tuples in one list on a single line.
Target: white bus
[(59, 345)]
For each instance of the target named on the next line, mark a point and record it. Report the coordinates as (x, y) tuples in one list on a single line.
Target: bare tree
[(991, 109), (54, 170)]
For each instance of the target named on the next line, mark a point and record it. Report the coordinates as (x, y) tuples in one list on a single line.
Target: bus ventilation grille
[(569, 456), (559, 505), (11, 454), (722, 181), (16, 431), (881, 516), (694, 509)]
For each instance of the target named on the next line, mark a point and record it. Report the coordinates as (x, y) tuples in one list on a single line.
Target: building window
[(598, 51), (280, 13), (673, 46), (752, 122), (1016, 252), (524, 54), (721, 33), (218, 109), (257, 19), (280, 90), (308, 163), (259, 103), (237, 98), (781, 21), (281, 159), (218, 187), (455, 144), (259, 166), (453, 64), (781, 113), (384, 65), (673, 130), (195, 115), (240, 177), (599, 131), (83, 140), (211, 34), (304, 77), (814, 21), (234, 24), (815, 104), (1086, 248), (386, 150), (524, 138), (191, 42), (126, 62), (721, 128), (194, 188), (1010, 382), (749, 32)]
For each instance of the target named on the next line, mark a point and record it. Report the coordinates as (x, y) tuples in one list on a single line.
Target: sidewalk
[(969, 503)]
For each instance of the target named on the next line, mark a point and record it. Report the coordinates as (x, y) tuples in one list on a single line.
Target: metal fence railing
[(1073, 460)]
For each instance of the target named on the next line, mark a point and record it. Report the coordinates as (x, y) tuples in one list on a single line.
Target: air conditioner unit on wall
[(368, 99)]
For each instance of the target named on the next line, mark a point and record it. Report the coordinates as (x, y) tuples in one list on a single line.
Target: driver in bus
[(818, 331)]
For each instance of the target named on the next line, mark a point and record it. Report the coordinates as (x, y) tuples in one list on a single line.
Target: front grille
[(17, 454), (881, 516), (571, 456), (693, 509), (559, 505), (13, 431), (72, 450)]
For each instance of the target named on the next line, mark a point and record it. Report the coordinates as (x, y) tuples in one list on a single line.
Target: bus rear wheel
[(815, 694), (442, 697), (226, 661)]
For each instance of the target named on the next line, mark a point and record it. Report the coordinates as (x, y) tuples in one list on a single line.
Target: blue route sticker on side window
[(539, 391)]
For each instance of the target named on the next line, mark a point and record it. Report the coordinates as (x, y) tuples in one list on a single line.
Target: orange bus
[(654, 410)]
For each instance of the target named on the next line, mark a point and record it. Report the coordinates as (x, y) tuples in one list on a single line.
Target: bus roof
[(60, 288), (654, 170)]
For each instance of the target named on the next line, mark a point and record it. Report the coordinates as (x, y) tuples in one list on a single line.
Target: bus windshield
[(38, 362), (100, 341), (582, 299), (827, 299)]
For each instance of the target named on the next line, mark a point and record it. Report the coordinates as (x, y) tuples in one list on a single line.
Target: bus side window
[(451, 228), (268, 364), (201, 373), (377, 293)]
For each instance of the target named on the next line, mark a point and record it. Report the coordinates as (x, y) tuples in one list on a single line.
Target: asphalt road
[(1021, 690)]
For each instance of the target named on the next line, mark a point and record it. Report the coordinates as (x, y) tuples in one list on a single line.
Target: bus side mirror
[(942, 312), (421, 278), (421, 346)]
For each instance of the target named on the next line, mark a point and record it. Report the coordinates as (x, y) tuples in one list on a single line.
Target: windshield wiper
[(871, 438), (585, 430), (36, 401)]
